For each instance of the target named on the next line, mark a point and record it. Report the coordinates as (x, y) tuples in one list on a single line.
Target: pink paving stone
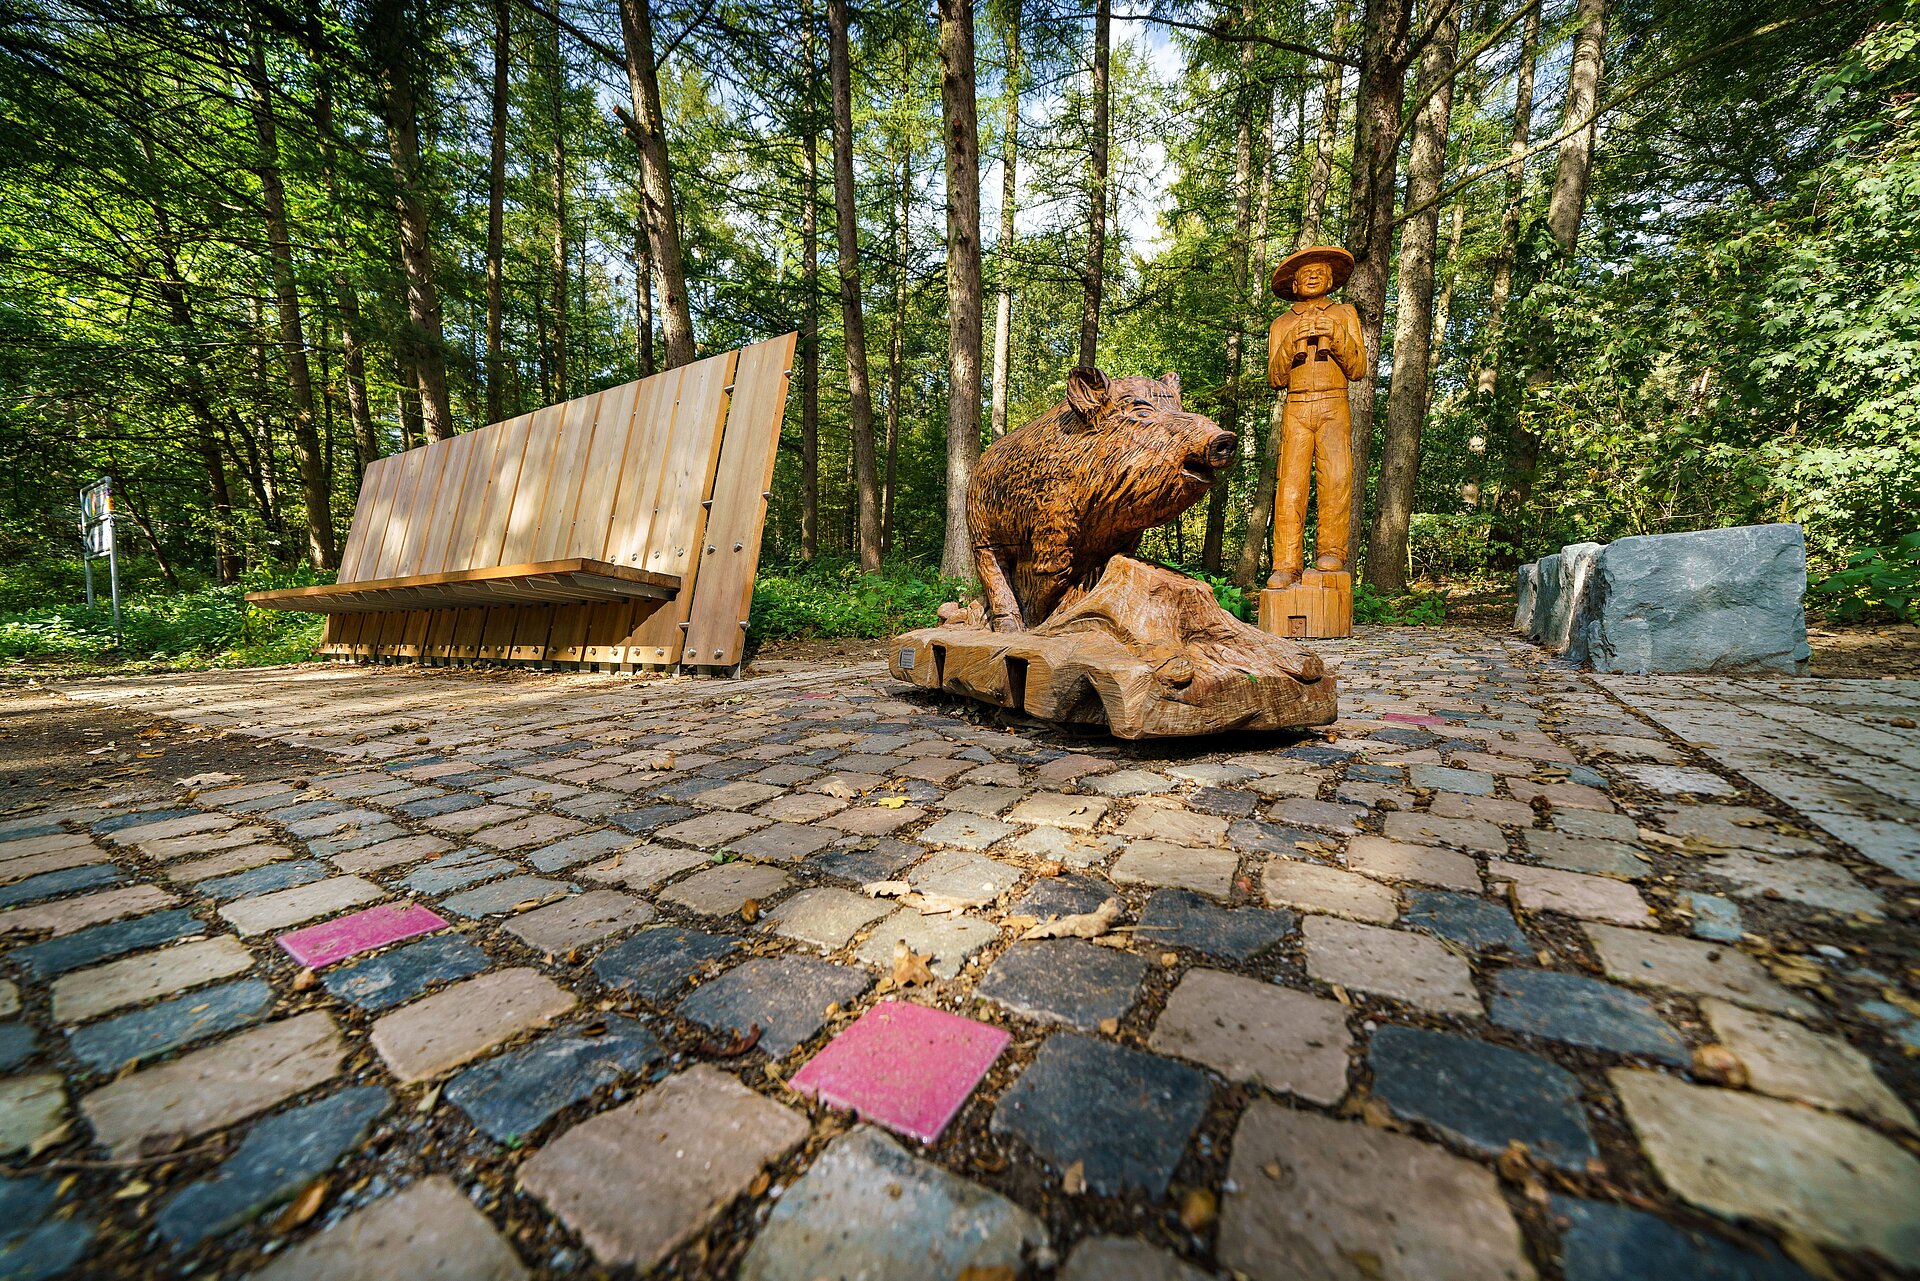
[(335, 940), (1406, 718), (903, 1066)]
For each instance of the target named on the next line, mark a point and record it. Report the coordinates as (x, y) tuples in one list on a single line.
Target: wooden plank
[(469, 625), (637, 496), (434, 458), (530, 632), (330, 637), (496, 641), (356, 636), (567, 639), (612, 433), (491, 529), (463, 521), (439, 634), (446, 504), (579, 425), (357, 530), (543, 439), (413, 636), (607, 629), (686, 483), (379, 477), (393, 630), (572, 579), (400, 523), (723, 586)]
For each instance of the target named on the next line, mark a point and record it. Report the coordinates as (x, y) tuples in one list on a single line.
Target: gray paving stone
[(397, 976), (881, 859), (1690, 966), (1062, 896), (45, 1249), (1714, 918), (1129, 782), (723, 890), (1181, 918), (430, 1232), (1271, 838), (110, 1044), (1125, 1115), (1601, 1241), (868, 1208), (1481, 1094), (1443, 778), (102, 942), (658, 962), (1466, 919), (826, 918), (1587, 854), (18, 1043), (577, 848), (1126, 1259), (278, 1158), (651, 818), (263, 880), (1578, 1010), (31, 1107), (1065, 981), (514, 1094), (580, 920), (456, 871), (969, 879), (497, 897), (1224, 802), (1249, 1030), (965, 831), (1408, 967), (786, 997), (948, 939), (69, 880)]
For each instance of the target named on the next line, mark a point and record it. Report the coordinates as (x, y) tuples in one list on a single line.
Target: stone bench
[(1715, 600)]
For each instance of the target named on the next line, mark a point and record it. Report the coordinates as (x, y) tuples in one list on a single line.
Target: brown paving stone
[(243, 859), (165, 828), (720, 891), (1163, 863), (461, 822), (1591, 898), (1565, 796), (30, 1107), (1408, 967), (134, 980), (1342, 1201), (1690, 966), (1251, 1031), (1789, 1061), (459, 1023), (394, 853), (737, 795), (1462, 833), (874, 820), (54, 860), (1749, 1157), (1069, 768), (536, 829), (580, 920), (1420, 864), (1313, 887), (64, 916), (1159, 819), (430, 1232), (51, 843), (694, 1143), (210, 1089), (1490, 809), (1058, 809), (800, 807), (204, 842), (710, 831), (264, 912), (644, 867)]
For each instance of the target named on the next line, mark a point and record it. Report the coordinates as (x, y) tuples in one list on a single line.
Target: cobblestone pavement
[(1514, 973)]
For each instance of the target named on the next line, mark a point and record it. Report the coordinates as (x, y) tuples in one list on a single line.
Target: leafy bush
[(1230, 597), (1880, 581), (1416, 609), (211, 626), (831, 599)]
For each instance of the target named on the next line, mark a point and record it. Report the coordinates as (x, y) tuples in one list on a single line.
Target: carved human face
[(1314, 280)]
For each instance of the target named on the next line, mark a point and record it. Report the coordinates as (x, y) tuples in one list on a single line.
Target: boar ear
[(1086, 391), (1172, 381)]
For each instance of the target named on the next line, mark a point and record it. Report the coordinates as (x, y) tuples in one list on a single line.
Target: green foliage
[(211, 626), (1415, 609), (1877, 582), (1229, 596), (832, 599)]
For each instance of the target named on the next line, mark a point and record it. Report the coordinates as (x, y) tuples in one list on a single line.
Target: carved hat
[(1332, 255)]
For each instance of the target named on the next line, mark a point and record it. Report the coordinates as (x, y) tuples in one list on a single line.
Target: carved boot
[(1330, 564), (1283, 579)]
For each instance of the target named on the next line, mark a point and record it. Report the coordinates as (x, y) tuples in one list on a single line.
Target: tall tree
[(353, 359), (846, 217), (1500, 286), (1266, 452), (1094, 272), (897, 331), (957, 109), (309, 455), (496, 207), (1009, 190), (1413, 318), (1320, 178), (1565, 206), (648, 126), (810, 304), (1213, 544), (642, 291), (556, 78), (392, 42)]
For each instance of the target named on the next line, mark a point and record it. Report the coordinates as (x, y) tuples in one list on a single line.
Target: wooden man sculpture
[(1073, 628), (1313, 349)]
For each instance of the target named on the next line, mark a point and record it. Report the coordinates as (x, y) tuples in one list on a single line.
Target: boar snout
[(1220, 448)]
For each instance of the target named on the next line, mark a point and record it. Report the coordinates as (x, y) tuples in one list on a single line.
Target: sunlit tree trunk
[(1320, 178), (309, 458), (1500, 285), (1221, 496), (896, 336), (1411, 390), (496, 207), (963, 276), (1009, 168), (810, 304), (353, 358), (656, 179), (1094, 274), (642, 293), (846, 217), (393, 51), (1265, 455), (557, 179)]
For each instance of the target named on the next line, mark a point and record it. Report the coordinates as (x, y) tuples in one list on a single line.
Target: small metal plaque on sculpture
[(1073, 627)]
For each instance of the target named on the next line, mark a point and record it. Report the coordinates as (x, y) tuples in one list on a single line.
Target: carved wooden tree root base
[(1147, 653)]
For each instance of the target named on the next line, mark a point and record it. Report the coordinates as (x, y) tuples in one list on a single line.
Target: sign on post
[(97, 539)]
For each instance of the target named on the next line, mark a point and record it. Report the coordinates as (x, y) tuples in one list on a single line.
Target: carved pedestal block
[(1320, 605)]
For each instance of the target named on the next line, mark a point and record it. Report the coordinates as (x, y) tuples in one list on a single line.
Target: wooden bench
[(621, 528)]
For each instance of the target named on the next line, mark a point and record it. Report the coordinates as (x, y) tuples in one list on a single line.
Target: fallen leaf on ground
[(715, 1047), (886, 889), (909, 967), (1074, 1181), (1719, 1065), (302, 1207), (1197, 1209), (750, 911), (891, 802), (1080, 925)]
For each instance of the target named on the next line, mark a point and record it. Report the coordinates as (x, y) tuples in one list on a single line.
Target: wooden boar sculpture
[(1073, 628)]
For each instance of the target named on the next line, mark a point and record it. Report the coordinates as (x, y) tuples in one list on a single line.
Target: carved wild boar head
[(1159, 458)]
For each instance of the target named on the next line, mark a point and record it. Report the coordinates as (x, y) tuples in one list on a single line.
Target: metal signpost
[(96, 539)]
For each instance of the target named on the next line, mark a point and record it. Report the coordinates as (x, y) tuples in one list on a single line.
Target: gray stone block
[(1717, 600), (1525, 597), (1555, 620)]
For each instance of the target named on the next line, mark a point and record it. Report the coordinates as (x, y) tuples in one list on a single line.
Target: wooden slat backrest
[(613, 432), (463, 522), (686, 480), (446, 503), (543, 439), (363, 544), (406, 485), (490, 531), (723, 590), (356, 532), (637, 495), (436, 461), (562, 502)]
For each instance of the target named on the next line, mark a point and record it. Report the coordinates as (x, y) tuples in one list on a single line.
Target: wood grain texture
[(363, 542), (730, 557), (1319, 606)]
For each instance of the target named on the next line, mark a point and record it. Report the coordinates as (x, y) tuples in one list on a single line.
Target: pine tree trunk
[(1265, 455), (496, 208), (309, 458), (1009, 168), (392, 48), (810, 304), (1408, 396), (846, 213), (1376, 125), (642, 293), (1501, 284), (557, 177), (896, 336), (656, 176), (963, 276), (1095, 272), (353, 357), (1443, 306), (1313, 219), (1212, 545)]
